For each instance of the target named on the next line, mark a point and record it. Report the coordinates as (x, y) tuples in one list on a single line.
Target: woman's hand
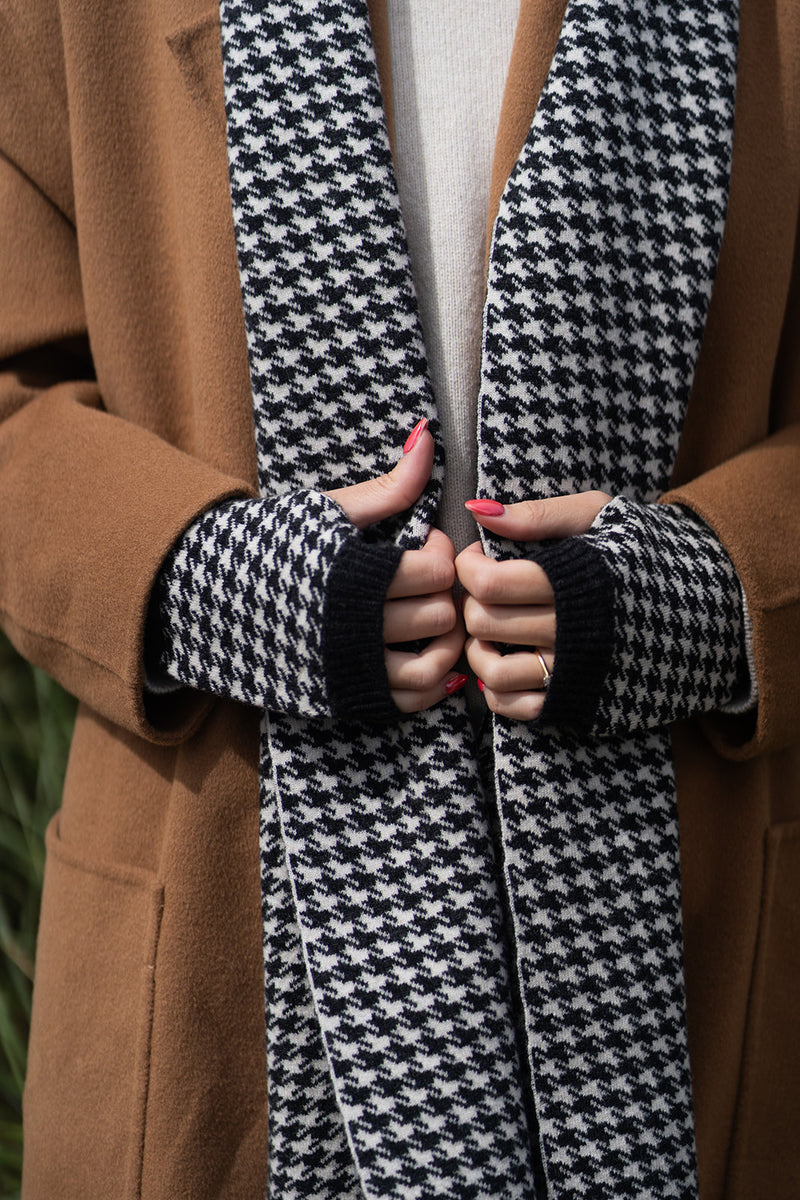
[(420, 605), (419, 602), (512, 601)]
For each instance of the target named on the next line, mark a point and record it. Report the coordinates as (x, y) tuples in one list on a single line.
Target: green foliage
[(36, 719)]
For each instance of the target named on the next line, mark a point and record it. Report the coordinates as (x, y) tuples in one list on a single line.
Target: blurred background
[(36, 718)]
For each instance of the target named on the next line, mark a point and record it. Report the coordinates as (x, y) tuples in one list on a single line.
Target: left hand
[(512, 601)]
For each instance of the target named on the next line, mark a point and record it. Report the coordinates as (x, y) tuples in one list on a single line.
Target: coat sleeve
[(90, 504), (752, 502)]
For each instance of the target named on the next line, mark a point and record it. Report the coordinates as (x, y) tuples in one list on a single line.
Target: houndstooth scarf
[(473, 977)]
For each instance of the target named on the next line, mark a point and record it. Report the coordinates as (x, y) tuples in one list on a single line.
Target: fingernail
[(485, 508), (480, 685), (455, 684), (415, 435)]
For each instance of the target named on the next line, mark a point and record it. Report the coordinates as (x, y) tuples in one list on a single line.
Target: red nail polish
[(480, 685), (485, 508), (415, 435), (455, 684)]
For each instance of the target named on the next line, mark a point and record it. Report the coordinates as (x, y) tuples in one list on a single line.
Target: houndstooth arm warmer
[(650, 622), (277, 602)]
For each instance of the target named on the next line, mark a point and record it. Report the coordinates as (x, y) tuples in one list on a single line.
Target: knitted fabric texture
[(377, 846), (279, 604), (649, 625), (602, 263), (406, 1031), (449, 64)]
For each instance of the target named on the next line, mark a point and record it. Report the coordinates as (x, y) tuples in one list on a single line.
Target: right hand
[(419, 602)]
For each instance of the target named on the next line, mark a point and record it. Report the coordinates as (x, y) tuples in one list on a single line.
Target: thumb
[(534, 520), (371, 501)]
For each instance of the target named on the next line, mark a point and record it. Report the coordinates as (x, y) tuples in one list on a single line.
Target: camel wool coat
[(126, 411)]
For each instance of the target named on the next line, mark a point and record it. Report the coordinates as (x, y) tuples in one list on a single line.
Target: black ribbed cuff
[(352, 635), (584, 590)]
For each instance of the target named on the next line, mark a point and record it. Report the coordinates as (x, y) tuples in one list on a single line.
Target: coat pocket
[(764, 1159), (86, 1089)]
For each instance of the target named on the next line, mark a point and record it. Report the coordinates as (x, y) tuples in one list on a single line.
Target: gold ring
[(546, 675)]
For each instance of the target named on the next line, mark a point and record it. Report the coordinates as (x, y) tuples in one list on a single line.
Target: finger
[(520, 706), (520, 625), (417, 617), (518, 672), (409, 702), (513, 582), (422, 673), (437, 542), (424, 571), (371, 501), (535, 520)]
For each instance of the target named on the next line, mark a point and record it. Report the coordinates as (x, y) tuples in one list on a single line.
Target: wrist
[(352, 646)]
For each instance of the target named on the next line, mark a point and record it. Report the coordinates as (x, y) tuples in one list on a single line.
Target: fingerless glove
[(278, 603), (650, 621)]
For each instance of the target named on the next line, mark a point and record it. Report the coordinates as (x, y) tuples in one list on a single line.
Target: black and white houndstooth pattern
[(241, 600), (602, 263), (308, 1146), (336, 357), (678, 631), (650, 624), (589, 834), (337, 369), (394, 881), (605, 246), (374, 844)]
